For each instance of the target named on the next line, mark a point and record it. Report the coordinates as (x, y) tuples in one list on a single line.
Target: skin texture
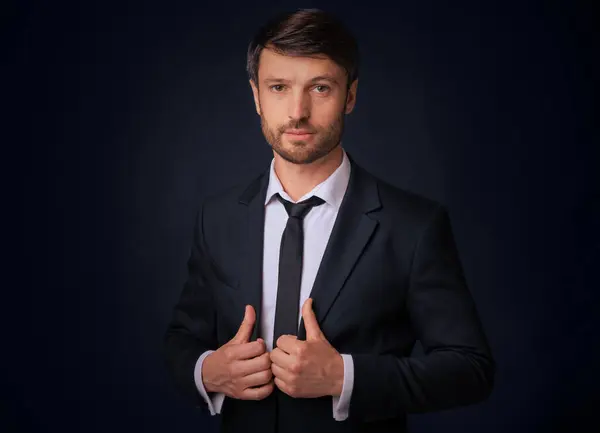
[(290, 95), (307, 369), (240, 369), (302, 369)]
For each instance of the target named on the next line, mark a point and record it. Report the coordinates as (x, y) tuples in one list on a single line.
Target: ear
[(255, 94), (351, 97)]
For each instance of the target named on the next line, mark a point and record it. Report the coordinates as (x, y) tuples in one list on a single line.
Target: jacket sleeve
[(457, 367), (192, 328)]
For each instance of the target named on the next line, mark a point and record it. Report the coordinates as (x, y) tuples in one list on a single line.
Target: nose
[(299, 105)]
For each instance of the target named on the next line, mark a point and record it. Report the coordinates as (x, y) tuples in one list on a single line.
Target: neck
[(298, 179)]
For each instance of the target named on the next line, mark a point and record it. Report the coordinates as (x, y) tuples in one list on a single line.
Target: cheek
[(324, 119), (327, 108), (272, 115)]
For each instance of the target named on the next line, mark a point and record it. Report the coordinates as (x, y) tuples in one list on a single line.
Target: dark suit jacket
[(390, 275)]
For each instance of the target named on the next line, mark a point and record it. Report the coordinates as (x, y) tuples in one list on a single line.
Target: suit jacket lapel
[(252, 274), (351, 231)]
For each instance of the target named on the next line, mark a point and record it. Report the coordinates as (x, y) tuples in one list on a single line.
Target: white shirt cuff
[(214, 404), (341, 404)]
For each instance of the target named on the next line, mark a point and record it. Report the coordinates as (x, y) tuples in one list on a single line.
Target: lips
[(298, 132)]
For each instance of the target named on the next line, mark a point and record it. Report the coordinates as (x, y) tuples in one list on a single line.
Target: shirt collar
[(331, 190)]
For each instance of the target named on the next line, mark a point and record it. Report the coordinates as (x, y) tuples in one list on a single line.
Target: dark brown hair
[(305, 32)]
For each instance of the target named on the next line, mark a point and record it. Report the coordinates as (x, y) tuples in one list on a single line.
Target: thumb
[(313, 331), (247, 326)]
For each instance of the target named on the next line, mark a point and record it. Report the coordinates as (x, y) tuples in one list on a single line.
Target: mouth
[(299, 134)]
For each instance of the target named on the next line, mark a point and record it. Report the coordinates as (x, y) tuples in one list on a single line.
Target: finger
[(239, 352), (258, 393), (289, 344), (284, 387), (257, 379), (245, 330), (250, 366), (282, 373), (280, 358), (313, 331)]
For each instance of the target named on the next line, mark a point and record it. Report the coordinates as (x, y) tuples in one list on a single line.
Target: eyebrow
[(329, 78)]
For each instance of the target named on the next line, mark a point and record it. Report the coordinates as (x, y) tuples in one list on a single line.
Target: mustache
[(299, 124)]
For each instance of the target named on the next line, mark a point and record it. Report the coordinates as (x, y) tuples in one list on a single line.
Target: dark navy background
[(121, 116)]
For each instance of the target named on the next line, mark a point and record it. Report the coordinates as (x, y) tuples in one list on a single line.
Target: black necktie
[(290, 267)]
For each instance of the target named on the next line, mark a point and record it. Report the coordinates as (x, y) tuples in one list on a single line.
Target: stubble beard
[(301, 151)]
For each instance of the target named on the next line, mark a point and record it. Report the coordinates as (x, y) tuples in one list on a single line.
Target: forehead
[(275, 65)]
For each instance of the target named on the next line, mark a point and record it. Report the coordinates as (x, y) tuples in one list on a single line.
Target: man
[(309, 285)]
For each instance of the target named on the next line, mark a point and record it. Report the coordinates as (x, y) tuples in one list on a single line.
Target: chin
[(301, 153)]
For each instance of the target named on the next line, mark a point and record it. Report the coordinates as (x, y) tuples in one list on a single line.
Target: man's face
[(302, 102)]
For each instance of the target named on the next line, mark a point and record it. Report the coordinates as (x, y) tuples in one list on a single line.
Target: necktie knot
[(300, 210)]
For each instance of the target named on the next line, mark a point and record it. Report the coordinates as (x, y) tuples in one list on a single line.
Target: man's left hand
[(307, 369)]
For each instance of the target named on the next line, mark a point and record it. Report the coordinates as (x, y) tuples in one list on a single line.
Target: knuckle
[(261, 377), (307, 348), (236, 376), (267, 374), (265, 391), (266, 362), (228, 354), (294, 382), (230, 370), (302, 353), (259, 393)]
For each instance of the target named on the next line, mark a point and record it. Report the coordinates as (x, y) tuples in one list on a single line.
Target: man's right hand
[(240, 369)]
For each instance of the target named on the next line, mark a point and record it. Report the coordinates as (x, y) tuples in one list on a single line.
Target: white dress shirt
[(317, 225)]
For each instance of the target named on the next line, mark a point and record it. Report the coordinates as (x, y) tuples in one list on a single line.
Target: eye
[(277, 88), (321, 88)]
